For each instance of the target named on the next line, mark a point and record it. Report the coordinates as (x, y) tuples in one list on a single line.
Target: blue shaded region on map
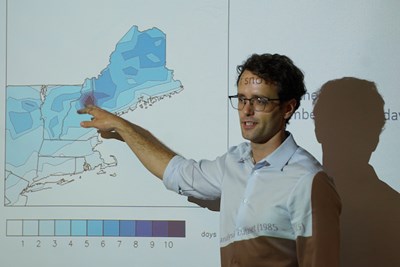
[(45, 144), (138, 66)]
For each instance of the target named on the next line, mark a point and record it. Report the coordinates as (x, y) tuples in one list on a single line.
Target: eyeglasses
[(258, 103)]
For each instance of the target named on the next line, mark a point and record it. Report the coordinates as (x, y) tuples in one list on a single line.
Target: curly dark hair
[(278, 70)]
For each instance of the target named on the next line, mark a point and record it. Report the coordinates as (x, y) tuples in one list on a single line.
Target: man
[(278, 207)]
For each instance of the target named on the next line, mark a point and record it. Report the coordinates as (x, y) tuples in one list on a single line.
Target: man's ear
[(290, 107)]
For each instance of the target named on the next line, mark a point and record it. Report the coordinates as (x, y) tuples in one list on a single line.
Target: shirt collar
[(281, 156), (277, 159), (246, 153)]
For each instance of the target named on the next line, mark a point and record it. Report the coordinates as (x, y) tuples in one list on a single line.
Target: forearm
[(153, 154)]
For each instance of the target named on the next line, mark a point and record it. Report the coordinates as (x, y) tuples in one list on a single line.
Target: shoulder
[(305, 162), (239, 152)]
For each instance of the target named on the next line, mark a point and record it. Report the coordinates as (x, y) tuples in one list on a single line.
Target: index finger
[(86, 109)]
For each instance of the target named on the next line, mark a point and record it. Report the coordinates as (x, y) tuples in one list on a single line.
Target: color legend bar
[(103, 228)]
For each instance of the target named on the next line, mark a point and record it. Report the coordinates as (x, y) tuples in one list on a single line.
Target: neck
[(262, 150)]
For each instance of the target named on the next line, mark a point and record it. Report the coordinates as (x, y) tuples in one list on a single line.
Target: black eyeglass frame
[(251, 101)]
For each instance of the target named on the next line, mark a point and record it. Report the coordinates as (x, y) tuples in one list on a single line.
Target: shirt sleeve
[(195, 179), (322, 247)]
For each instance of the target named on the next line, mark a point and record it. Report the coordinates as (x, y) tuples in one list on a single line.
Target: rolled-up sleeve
[(168, 177), (188, 177)]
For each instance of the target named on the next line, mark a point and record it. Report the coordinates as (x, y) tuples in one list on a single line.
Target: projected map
[(46, 147)]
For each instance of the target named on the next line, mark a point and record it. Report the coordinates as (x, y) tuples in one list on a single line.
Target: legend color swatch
[(105, 228)]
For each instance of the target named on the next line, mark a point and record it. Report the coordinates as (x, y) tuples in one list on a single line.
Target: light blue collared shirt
[(271, 198)]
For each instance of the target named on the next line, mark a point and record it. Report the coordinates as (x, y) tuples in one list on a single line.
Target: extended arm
[(154, 155)]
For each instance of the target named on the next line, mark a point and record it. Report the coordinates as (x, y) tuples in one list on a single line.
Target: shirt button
[(245, 201)]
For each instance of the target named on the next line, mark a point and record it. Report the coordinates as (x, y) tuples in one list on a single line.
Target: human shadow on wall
[(349, 117)]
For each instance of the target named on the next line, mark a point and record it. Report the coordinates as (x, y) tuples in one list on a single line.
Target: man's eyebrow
[(254, 96)]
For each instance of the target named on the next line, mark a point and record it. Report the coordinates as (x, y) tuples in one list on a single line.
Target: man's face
[(259, 127)]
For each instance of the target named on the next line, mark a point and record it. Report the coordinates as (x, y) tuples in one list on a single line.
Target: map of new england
[(45, 145)]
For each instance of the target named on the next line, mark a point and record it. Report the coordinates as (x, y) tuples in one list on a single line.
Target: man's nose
[(248, 108)]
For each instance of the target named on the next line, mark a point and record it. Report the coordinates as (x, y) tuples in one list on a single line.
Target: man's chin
[(247, 137)]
